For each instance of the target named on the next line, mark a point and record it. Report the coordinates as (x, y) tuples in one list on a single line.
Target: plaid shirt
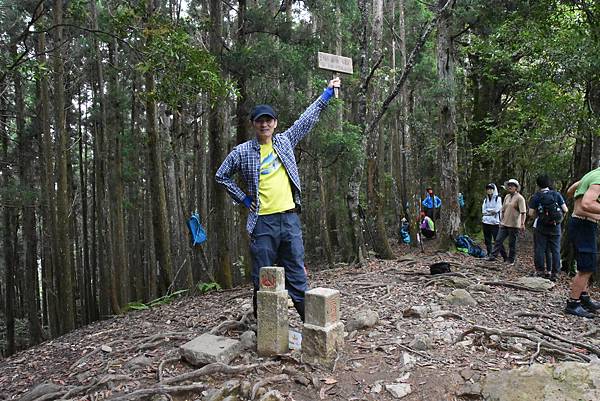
[(245, 158)]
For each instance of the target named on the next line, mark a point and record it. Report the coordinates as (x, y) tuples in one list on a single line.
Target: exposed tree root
[(488, 331), (163, 363), (160, 389), (561, 338), (512, 285), (157, 339), (269, 380), (217, 367), (91, 353), (228, 325)]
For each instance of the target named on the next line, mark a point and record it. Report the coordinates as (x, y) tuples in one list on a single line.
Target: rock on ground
[(544, 382), (363, 319), (460, 297), (399, 390)]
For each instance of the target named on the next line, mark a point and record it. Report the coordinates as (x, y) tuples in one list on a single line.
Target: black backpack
[(549, 212)]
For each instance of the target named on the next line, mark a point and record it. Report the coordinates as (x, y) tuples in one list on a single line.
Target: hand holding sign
[(335, 83), (336, 64)]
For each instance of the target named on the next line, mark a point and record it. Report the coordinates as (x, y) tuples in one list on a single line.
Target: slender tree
[(450, 218), (65, 283)]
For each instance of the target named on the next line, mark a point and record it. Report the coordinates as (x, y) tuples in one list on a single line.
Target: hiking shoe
[(575, 308), (553, 278), (588, 304), (490, 259)]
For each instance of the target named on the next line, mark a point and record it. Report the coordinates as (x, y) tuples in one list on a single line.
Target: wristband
[(247, 202), (327, 94)]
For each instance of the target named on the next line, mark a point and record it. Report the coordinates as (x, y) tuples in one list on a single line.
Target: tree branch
[(408, 68)]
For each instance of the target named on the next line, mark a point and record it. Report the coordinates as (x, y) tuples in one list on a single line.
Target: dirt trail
[(92, 362)]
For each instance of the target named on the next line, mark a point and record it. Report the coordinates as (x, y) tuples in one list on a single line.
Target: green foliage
[(207, 287), (165, 299), (182, 69)]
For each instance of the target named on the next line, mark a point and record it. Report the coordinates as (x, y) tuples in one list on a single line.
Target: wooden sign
[(335, 63)]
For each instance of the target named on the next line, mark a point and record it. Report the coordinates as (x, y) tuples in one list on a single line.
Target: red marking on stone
[(267, 281)]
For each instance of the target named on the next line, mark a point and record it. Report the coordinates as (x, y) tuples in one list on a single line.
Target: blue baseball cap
[(262, 110)]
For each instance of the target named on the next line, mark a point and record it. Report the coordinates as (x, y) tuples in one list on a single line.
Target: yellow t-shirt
[(274, 188)]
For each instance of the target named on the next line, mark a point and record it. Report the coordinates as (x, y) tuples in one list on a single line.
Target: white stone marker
[(323, 333), (272, 312)]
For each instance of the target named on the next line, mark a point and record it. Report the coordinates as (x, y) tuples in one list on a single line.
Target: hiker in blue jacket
[(432, 204), (490, 220), (268, 168)]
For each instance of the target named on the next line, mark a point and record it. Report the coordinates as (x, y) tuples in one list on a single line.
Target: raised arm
[(304, 124)]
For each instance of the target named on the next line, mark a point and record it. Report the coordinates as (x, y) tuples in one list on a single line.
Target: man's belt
[(585, 218)]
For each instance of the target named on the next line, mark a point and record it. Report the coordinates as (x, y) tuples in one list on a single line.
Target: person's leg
[(495, 230), (579, 284), (429, 212), (539, 246), (291, 255), (583, 236), (512, 244), (487, 237), (499, 243), (554, 249), (263, 249)]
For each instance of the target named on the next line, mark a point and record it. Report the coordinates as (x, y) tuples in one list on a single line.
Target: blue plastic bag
[(197, 232)]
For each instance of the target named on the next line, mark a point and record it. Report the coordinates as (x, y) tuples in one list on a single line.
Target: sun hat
[(514, 182)]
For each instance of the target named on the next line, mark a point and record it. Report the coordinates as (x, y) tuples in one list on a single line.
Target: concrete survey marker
[(322, 306), (272, 313), (323, 333), (209, 348)]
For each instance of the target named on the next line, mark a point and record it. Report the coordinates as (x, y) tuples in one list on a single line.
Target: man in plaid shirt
[(268, 167)]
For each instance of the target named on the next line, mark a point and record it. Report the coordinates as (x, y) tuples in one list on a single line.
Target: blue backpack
[(196, 230), (466, 245)]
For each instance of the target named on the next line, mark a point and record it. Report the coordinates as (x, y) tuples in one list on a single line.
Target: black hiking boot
[(589, 305), (575, 308), (300, 309)]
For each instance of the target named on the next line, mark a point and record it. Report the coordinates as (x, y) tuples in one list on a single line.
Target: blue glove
[(327, 94), (247, 201)]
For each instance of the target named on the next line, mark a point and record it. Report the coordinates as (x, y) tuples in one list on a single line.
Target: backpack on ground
[(439, 268), (549, 211), (197, 232), (466, 245)]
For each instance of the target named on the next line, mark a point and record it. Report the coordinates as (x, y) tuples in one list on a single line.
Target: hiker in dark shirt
[(548, 207)]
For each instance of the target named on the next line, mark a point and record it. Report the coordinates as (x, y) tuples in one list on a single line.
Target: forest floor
[(139, 350)]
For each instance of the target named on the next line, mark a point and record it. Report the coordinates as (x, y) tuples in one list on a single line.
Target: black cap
[(490, 186), (262, 110)]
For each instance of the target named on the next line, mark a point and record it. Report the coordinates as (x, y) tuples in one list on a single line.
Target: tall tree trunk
[(65, 285), (10, 236), (352, 197), (87, 297), (450, 218), (28, 210), (8, 227), (375, 154), (217, 146), (243, 127), (120, 278), (108, 299), (49, 235), (160, 219)]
